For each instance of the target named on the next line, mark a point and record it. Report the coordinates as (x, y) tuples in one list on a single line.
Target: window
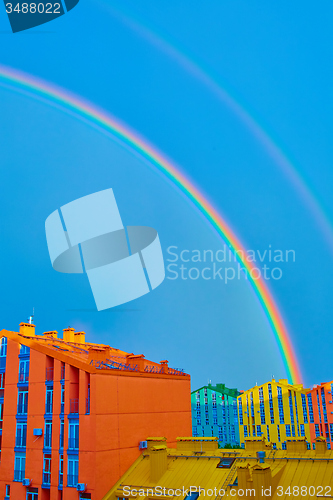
[(302, 430), (252, 405), (21, 435), (323, 402), (7, 491), (280, 405), (32, 494), (278, 432), (291, 408), (19, 466), (88, 401), (61, 470), (225, 463), (73, 472), (262, 406), (271, 407), (2, 380), (62, 405), (331, 431), (240, 411), (284, 445), (22, 402), (49, 400), (258, 430), (311, 418), (304, 409), (288, 430), (317, 431), (73, 436), (3, 347), (215, 420), (24, 350), (268, 435), (24, 370), (47, 469), (245, 430), (48, 434), (62, 432), (318, 404), (293, 430)]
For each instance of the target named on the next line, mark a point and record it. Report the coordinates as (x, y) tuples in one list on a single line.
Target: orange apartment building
[(75, 415), (320, 404)]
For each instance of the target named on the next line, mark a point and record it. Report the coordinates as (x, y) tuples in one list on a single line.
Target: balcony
[(22, 408), (21, 441), (23, 377), (18, 475), (46, 478), (49, 374), (74, 406), (72, 480), (73, 443), (49, 408)]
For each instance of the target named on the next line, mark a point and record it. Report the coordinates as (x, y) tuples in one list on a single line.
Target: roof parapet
[(197, 443), (53, 334)]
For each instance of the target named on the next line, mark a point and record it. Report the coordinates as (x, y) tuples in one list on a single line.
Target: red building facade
[(73, 413), (320, 404)]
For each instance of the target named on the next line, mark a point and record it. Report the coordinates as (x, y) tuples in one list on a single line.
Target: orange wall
[(125, 408)]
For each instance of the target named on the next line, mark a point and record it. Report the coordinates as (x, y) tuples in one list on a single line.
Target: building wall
[(276, 410), (125, 408), (321, 412), (214, 414)]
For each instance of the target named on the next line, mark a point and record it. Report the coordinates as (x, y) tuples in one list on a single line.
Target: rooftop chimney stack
[(27, 329)]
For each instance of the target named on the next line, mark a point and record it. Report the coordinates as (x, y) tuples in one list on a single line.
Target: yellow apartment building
[(277, 411)]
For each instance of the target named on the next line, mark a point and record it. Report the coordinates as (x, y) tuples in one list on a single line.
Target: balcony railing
[(49, 374), (72, 480), (49, 408), (46, 477), (47, 441), (18, 475), (21, 441), (73, 443), (22, 408), (23, 377), (74, 406)]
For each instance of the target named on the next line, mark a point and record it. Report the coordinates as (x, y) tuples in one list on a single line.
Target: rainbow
[(53, 95), (188, 64)]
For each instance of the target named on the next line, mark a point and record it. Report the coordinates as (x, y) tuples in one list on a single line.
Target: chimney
[(321, 446), (27, 329), (53, 334), (98, 353), (244, 477), (155, 441), (262, 480), (79, 337), (158, 462), (68, 335)]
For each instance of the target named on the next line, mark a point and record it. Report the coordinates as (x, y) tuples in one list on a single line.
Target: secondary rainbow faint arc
[(68, 101)]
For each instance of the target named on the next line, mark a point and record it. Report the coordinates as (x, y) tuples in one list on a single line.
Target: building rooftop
[(75, 350), (221, 388), (198, 463)]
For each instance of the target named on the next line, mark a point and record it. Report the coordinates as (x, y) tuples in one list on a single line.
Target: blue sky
[(274, 59)]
